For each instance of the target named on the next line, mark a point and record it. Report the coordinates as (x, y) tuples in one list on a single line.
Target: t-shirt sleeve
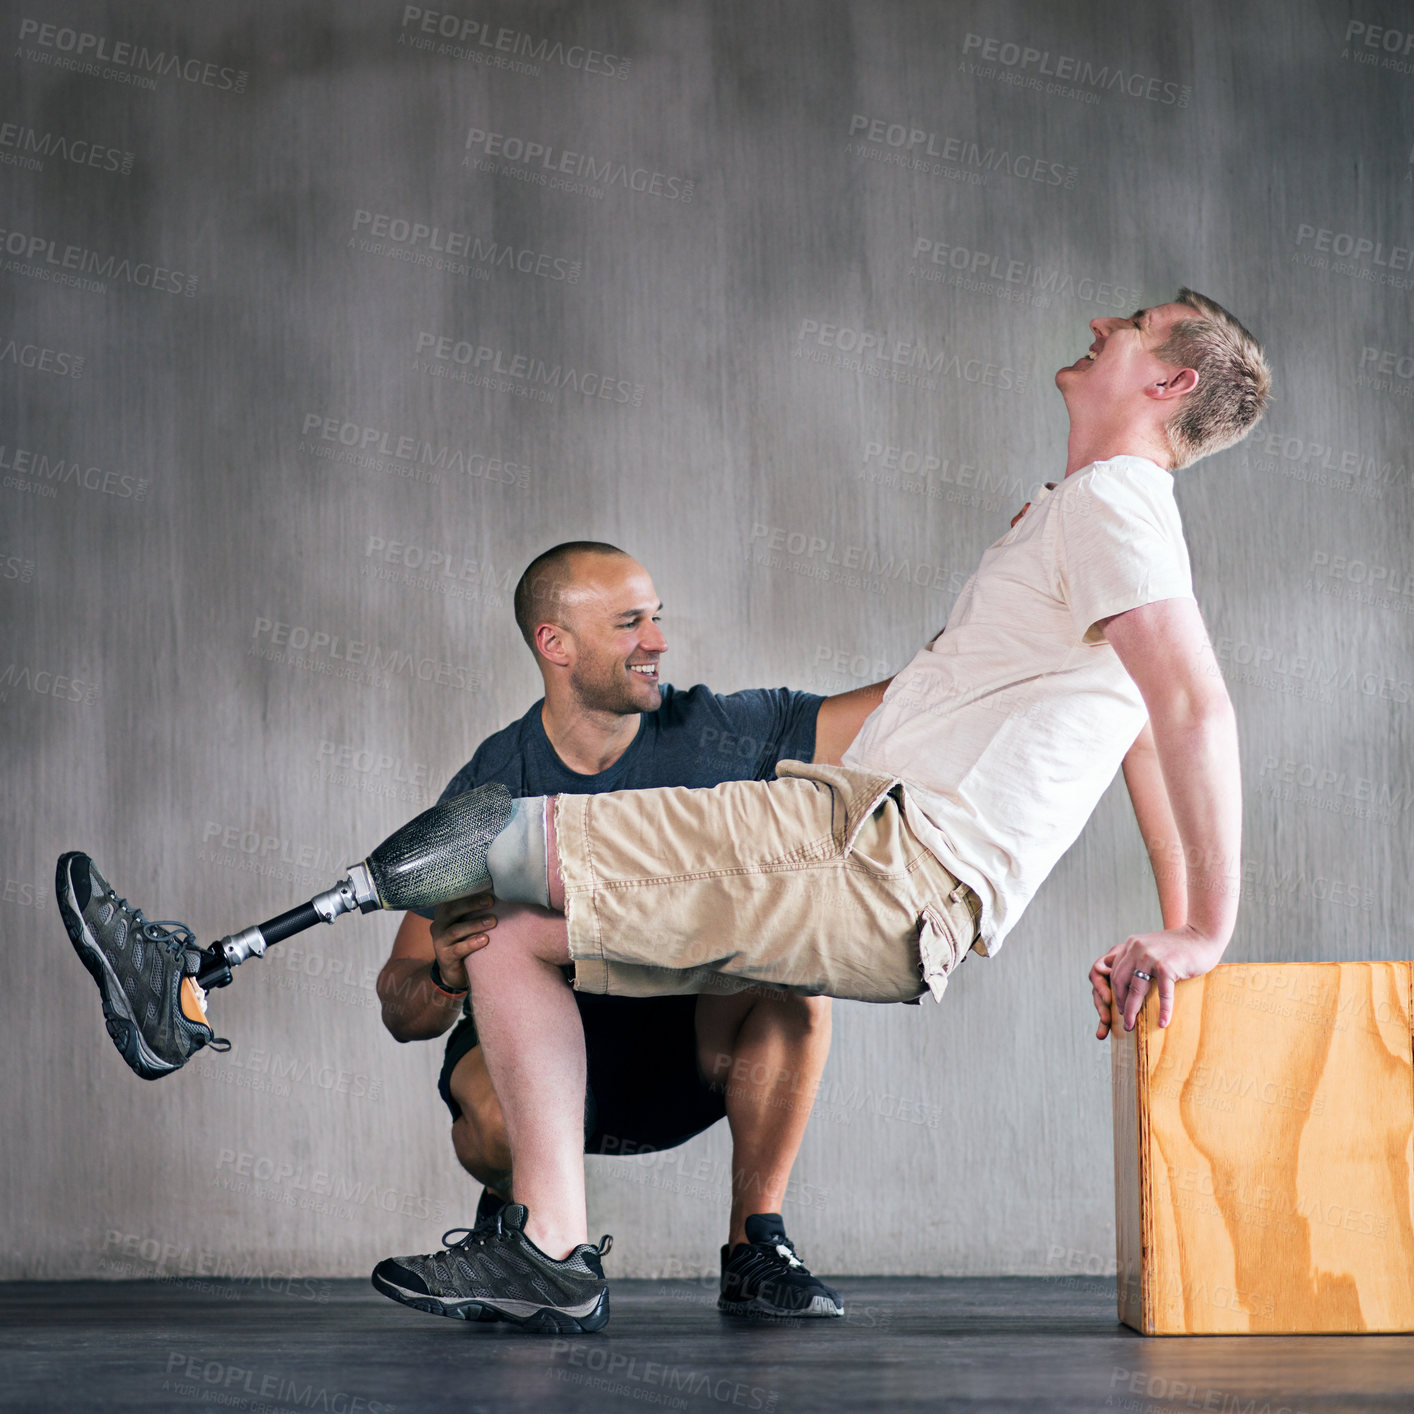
[(1120, 545), (773, 723)]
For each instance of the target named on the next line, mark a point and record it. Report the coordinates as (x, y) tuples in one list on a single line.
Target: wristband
[(440, 984)]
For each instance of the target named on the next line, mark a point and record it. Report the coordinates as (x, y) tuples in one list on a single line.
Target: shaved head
[(540, 596)]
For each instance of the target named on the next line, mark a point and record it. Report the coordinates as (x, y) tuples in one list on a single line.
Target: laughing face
[(610, 635), (1122, 358)]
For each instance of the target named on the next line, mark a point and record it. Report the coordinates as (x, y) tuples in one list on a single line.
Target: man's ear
[(1178, 383), (551, 643)]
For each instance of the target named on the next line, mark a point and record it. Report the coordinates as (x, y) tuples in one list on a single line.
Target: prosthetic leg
[(152, 977), (439, 855)]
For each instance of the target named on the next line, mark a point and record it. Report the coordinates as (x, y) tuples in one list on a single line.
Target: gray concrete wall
[(812, 294)]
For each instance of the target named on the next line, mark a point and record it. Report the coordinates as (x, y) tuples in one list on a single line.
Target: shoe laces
[(167, 932), (477, 1236), (785, 1250), (490, 1227)]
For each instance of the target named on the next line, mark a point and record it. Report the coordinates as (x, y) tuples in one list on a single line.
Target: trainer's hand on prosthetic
[(1168, 957), (460, 927)]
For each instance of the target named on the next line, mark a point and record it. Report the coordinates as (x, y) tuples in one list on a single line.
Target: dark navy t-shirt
[(696, 738)]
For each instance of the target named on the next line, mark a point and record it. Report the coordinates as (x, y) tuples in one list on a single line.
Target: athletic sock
[(518, 857)]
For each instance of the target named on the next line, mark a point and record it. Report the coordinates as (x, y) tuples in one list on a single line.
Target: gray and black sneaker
[(763, 1277), (494, 1272), (152, 1005)]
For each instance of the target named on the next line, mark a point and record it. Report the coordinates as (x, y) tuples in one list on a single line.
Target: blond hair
[(1234, 382)]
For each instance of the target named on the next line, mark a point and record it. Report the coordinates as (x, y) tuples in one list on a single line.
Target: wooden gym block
[(1264, 1153)]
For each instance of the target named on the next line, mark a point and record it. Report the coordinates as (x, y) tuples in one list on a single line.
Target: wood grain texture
[(1273, 1170)]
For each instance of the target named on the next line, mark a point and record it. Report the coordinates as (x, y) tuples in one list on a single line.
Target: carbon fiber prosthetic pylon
[(441, 854)]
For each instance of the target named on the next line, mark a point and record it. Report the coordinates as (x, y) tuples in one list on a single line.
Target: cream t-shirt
[(1009, 726)]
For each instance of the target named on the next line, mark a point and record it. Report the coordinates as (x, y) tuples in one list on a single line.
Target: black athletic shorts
[(644, 1090)]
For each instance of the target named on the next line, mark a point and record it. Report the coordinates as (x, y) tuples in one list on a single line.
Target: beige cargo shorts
[(812, 883)]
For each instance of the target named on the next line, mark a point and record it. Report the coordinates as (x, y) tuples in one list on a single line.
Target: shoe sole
[(539, 1320), (820, 1306), (117, 1012)]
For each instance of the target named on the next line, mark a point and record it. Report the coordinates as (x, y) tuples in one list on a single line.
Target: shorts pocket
[(938, 950)]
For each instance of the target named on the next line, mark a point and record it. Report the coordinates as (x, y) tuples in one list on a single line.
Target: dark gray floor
[(337, 1346)]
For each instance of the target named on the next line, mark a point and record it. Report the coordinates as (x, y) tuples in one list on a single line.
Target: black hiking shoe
[(494, 1272), (152, 1005)]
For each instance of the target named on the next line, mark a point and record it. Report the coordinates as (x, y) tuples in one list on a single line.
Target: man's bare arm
[(840, 719), (1147, 793), (414, 1007), (1164, 648)]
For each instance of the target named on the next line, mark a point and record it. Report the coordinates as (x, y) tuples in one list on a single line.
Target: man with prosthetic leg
[(1075, 648)]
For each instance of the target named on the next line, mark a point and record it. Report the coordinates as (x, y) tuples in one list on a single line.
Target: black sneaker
[(494, 1272), (153, 1008), (763, 1277)]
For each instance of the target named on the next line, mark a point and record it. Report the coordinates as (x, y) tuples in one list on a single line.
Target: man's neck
[(1087, 445), (587, 741)]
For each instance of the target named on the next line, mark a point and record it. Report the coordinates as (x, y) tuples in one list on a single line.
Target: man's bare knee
[(806, 1015), (526, 930)]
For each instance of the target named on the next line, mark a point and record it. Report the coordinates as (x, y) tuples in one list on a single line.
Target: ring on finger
[(1143, 976)]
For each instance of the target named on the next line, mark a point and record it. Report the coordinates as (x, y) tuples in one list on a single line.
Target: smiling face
[(1122, 361), (608, 642)]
